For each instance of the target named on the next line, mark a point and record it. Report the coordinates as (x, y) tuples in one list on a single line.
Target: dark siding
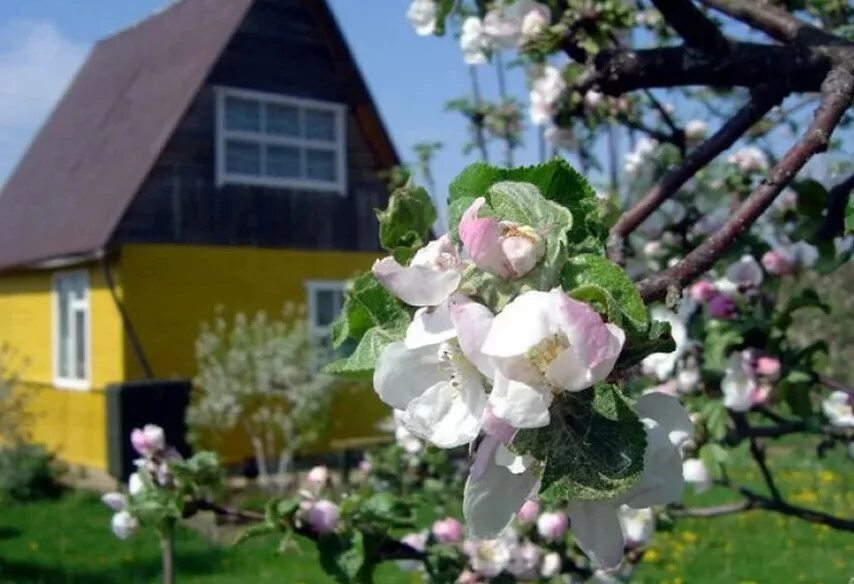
[(278, 50)]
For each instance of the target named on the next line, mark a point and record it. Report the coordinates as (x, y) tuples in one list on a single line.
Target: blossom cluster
[(464, 374)]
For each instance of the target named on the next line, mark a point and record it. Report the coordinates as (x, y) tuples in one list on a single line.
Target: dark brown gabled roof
[(85, 166)]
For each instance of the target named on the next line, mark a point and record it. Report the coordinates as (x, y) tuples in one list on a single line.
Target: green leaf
[(657, 340), (491, 290), (368, 304), (589, 269), (360, 365), (715, 417), (405, 224), (254, 531), (806, 298), (720, 338), (713, 455), (849, 217), (386, 510), (812, 198), (343, 557), (556, 180), (593, 447)]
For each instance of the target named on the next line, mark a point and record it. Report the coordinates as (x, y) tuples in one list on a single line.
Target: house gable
[(288, 49)]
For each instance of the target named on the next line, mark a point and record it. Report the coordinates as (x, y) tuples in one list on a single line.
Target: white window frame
[(71, 382), (315, 331), (224, 177)]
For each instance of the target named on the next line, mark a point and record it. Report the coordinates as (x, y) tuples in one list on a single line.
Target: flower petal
[(668, 412), (430, 326), (115, 501), (512, 461), (448, 416), (401, 374), (523, 323), (519, 404), (416, 285), (491, 501), (481, 237), (661, 482), (597, 531), (472, 322)]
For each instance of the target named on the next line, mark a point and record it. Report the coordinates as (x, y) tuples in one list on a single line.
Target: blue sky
[(43, 42)]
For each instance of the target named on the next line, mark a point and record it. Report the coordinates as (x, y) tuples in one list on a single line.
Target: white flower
[(687, 379), (745, 273), (593, 98), (596, 524), (552, 565), (546, 90), (696, 473), (317, 477), (489, 557), (638, 525), (403, 437), (635, 159), (525, 561), (535, 20), (473, 41), (124, 525), (696, 130), (545, 343), (422, 15), (135, 484), (749, 159), (498, 485), (739, 384), (430, 377), (432, 275), (514, 24), (839, 409), (662, 365), (115, 501)]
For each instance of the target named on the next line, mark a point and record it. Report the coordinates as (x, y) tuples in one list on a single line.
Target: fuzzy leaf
[(368, 304), (589, 269), (593, 448), (360, 365), (405, 224)]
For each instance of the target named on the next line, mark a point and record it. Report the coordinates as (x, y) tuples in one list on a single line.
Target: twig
[(837, 94), (673, 180), (757, 452), (713, 511), (691, 24)]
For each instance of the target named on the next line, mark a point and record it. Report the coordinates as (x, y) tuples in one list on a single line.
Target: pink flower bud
[(703, 291), (448, 530), (365, 466), (721, 307), (529, 511), (552, 525), (777, 264), (148, 440), (768, 367), (760, 394), (323, 516), (317, 477), (500, 247)]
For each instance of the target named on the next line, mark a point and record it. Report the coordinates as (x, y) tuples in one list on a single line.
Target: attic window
[(276, 141)]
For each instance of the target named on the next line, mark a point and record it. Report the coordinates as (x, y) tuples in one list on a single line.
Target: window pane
[(64, 335), (282, 120), (80, 344), (283, 161), (327, 303), (242, 157), (319, 125), (242, 114), (320, 165)]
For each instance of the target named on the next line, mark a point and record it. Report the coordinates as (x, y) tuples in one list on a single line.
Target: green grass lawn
[(68, 541)]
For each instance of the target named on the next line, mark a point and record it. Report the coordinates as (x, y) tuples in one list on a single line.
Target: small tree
[(13, 411), (260, 376)]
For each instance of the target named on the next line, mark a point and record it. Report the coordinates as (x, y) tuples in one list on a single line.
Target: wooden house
[(221, 152)]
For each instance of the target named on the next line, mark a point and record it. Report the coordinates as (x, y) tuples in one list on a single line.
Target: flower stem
[(167, 552)]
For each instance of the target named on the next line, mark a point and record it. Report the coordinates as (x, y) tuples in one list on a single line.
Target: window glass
[(320, 164), (282, 120), (242, 114), (71, 351), (243, 157), (80, 344), (327, 305), (283, 161), (320, 125), (63, 330)]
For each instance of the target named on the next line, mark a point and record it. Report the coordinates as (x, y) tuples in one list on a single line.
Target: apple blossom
[(777, 263), (124, 525), (115, 501), (502, 248), (365, 466), (432, 275), (703, 291), (474, 41), (546, 90), (745, 273), (516, 23), (545, 343), (721, 307), (535, 20), (447, 530), (749, 159), (694, 471), (323, 516), (768, 367), (552, 525), (525, 561), (422, 16), (551, 566), (636, 158), (637, 525), (135, 484), (467, 577), (489, 557), (662, 365), (596, 524), (740, 387), (528, 512), (687, 379), (148, 440), (593, 98), (418, 542), (695, 130), (403, 437), (839, 409)]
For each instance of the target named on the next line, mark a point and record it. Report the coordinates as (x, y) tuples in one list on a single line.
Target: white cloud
[(36, 65)]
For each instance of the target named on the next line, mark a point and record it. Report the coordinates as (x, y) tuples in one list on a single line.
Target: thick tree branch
[(773, 21), (691, 24), (796, 68), (837, 95), (673, 180)]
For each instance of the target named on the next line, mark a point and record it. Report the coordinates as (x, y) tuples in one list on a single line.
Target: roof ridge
[(157, 12)]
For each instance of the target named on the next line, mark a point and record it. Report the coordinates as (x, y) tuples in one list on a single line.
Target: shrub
[(28, 472)]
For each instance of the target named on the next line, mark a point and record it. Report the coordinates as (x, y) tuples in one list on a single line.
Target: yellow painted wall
[(170, 290), (71, 422)]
